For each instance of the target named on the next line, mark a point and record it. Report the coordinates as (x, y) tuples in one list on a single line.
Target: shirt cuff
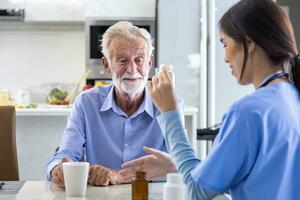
[(50, 167)]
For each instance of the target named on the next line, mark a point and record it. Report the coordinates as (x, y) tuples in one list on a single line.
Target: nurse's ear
[(251, 45)]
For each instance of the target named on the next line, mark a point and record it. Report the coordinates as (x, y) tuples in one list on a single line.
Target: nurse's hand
[(162, 91), (58, 175), (156, 165)]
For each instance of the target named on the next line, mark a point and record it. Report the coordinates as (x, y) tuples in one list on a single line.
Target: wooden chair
[(8, 150)]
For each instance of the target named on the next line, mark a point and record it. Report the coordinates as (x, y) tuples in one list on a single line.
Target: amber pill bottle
[(139, 187)]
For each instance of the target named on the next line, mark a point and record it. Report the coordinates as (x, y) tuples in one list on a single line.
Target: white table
[(39, 190)]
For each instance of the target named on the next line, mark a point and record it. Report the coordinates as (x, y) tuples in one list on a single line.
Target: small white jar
[(174, 188), (168, 68)]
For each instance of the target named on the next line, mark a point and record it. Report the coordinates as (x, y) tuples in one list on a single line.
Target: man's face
[(130, 64)]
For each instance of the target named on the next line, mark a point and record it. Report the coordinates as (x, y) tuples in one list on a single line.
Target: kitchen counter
[(44, 110), (190, 117)]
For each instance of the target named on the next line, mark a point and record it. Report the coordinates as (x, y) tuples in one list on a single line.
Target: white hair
[(126, 30)]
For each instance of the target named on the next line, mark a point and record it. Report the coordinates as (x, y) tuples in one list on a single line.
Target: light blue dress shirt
[(99, 132), (256, 154)]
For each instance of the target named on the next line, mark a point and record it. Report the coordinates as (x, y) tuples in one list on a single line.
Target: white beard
[(130, 87)]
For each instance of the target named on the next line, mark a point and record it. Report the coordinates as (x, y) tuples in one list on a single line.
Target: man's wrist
[(51, 167)]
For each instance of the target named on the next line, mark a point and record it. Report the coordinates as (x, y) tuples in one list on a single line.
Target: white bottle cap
[(166, 67), (174, 178)]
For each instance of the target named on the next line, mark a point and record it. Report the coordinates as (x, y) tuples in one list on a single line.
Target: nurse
[(256, 154)]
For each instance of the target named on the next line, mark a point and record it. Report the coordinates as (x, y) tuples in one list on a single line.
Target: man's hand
[(156, 165), (57, 173), (99, 175), (117, 178), (103, 176)]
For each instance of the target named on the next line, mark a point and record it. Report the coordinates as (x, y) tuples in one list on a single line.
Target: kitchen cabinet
[(120, 9), (54, 10), (12, 4)]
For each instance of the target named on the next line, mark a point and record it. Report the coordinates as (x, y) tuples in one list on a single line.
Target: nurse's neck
[(263, 68)]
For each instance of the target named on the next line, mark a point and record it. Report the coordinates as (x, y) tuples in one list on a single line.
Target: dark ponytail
[(296, 72)]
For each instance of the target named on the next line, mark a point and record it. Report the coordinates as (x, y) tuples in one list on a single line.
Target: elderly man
[(110, 125)]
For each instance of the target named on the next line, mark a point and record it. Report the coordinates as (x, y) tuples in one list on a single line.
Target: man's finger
[(57, 175), (106, 179), (60, 175), (56, 179), (65, 159), (92, 178), (98, 180)]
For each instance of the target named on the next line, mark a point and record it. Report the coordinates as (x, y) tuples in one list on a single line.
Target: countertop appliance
[(94, 30), (12, 10), (11, 14)]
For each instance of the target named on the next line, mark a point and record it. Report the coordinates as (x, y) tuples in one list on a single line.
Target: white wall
[(223, 88), (33, 54), (179, 45)]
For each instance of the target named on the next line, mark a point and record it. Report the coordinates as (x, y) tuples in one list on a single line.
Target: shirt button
[(126, 145)]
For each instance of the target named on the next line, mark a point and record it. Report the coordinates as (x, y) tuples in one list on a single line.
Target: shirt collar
[(110, 102), (147, 105)]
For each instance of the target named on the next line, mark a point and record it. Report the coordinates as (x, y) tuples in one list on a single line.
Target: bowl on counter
[(57, 93)]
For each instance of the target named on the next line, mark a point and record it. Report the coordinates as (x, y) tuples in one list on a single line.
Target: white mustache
[(127, 76)]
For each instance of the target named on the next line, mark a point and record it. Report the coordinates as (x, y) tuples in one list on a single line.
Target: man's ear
[(105, 63), (151, 61)]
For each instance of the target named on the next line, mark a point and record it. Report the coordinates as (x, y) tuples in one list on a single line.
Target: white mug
[(76, 177)]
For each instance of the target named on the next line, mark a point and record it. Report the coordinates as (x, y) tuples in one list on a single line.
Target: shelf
[(43, 112)]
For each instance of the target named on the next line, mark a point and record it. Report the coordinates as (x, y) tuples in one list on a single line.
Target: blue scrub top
[(256, 154)]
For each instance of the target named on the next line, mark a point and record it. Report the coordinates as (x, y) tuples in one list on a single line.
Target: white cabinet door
[(120, 9), (54, 10), (11, 4)]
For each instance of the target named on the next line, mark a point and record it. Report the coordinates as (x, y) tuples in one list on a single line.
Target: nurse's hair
[(126, 30), (268, 26)]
